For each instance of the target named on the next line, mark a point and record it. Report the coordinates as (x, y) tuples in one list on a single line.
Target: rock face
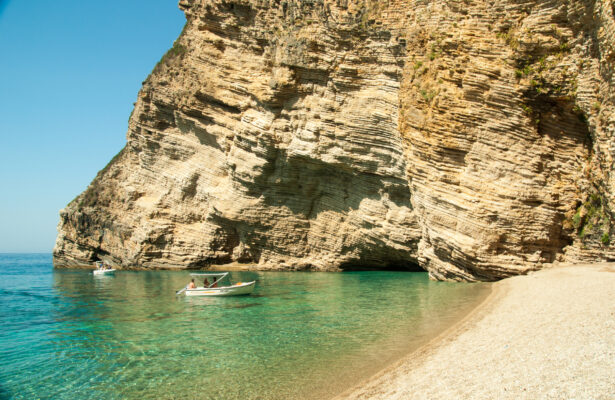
[(471, 138)]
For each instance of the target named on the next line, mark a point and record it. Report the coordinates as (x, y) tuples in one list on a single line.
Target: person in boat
[(191, 285), (215, 282), (205, 283)]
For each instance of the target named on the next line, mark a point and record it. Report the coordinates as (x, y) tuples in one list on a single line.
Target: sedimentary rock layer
[(470, 138)]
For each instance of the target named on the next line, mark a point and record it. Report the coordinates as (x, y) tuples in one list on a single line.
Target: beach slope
[(550, 335)]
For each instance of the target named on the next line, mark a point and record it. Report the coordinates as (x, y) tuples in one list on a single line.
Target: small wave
[(26, 293), (243, 305)]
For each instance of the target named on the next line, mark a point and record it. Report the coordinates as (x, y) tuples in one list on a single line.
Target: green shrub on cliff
[(605, 239), (592, 220), (174, 52)]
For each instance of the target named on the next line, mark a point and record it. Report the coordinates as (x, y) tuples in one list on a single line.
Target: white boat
[(103, 269), (212, 288)]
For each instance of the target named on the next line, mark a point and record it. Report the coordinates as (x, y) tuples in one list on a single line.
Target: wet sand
[(547, 335)]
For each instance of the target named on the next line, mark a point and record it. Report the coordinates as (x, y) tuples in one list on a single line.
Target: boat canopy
[(220, 274), (100, 264)]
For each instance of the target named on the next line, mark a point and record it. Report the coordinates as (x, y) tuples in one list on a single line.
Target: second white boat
[(103, 269)]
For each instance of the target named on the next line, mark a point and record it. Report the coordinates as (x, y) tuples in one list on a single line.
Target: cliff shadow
[(308, 186)]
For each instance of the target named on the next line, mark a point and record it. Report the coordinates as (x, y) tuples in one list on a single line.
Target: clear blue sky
[(70, 71)]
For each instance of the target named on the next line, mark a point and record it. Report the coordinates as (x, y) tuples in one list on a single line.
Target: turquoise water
[(66, 334)]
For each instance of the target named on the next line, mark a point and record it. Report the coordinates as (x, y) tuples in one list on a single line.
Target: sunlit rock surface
[(470, 138)]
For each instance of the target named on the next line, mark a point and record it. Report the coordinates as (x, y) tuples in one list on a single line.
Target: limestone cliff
[(471, 138)]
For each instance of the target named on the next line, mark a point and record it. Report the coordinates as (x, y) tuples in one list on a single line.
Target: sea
[(67, 334)]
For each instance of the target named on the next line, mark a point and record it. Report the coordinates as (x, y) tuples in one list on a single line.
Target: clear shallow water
[(65, 334)]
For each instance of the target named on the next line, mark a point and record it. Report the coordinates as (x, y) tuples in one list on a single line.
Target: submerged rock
[(472, 139)]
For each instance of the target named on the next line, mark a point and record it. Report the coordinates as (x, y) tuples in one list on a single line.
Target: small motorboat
[(102, 268), (212, 289)]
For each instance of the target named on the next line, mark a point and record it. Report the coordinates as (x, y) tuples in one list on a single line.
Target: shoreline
[(541, 335), (418, 355)]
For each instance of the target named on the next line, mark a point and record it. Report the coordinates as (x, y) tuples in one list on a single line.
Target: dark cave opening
[(380, 265)]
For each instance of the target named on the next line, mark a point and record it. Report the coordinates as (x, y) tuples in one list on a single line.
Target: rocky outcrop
[(470, 138)]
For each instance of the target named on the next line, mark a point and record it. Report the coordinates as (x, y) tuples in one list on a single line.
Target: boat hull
[(235, 290), (103, 271)]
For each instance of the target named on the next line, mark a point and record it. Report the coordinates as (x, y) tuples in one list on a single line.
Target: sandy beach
[(547, 335)]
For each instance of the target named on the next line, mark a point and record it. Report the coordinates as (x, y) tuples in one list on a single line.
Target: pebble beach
[(547, 335)]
